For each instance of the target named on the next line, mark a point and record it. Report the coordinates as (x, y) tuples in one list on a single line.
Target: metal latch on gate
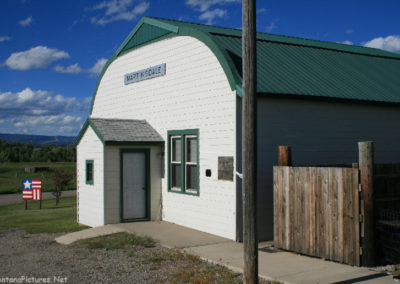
[(359, 187)]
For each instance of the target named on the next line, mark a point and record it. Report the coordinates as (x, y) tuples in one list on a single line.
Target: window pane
[(89, 172), (176, 149), (191, 177), (175, 175), (191, 149)]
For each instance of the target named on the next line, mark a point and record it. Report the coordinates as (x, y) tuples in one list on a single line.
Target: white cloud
[(98, 66), (26, 22), (209, 16), (4, 38), (204, 5), (76, 69), (389, 43), (35, 58), (348, 42), (261, 11), (30, 102), (117, 10), (71, 69), (87, 100), (271, 26), (59, 119), (41, 112)]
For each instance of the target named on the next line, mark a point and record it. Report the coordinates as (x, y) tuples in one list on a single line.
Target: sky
[(51, 52)]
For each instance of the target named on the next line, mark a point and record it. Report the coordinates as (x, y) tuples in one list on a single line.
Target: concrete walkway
[(14, 198), (273, 264)]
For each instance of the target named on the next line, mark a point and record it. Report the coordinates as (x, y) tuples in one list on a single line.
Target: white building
[(163, 138)]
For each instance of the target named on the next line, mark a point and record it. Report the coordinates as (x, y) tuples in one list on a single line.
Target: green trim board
[(146, 152), (83, 130), (182, 134), (133, 143), (89, 177), (286, 65)]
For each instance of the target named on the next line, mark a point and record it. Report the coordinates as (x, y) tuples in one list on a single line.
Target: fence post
[(285, 156), (366, 166)]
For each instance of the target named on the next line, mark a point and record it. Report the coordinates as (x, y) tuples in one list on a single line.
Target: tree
[(61, 179)]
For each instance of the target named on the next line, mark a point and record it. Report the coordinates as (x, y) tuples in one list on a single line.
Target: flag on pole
[(32, 189)]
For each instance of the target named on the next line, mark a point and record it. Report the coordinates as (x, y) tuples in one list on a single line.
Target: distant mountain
[(38, 139)]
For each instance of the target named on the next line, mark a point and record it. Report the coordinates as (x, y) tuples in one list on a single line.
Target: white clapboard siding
[(319, 133), (112, 181), (90, 197), (194, 93)]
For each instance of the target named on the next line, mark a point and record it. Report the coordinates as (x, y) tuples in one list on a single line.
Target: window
[(176, 162), (89, 171), (183, 168)]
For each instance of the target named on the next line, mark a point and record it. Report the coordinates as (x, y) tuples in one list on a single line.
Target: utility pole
[(249, 143)]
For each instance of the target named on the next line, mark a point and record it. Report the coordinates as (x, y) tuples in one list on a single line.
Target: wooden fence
[(316, 212), (341, 213)]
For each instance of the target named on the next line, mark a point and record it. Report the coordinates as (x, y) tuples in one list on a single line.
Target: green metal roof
[(286, 65)]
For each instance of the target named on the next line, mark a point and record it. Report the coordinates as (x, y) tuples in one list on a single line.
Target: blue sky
[(51, 52)]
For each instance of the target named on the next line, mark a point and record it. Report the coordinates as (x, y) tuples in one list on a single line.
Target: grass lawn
[(118, 241), (49, 219), (12, 174)]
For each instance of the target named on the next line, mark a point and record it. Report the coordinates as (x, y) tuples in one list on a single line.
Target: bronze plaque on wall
[(225, 168)]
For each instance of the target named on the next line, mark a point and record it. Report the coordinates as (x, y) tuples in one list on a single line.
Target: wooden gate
[(317, 212)]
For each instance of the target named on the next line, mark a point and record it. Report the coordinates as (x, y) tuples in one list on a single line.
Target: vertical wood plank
[(339, 233), (356, 219), (276, 206), (307, 211), (292, 208), (334, 213), (299, 208), (330, 211), (347, 233), (296, 208), (325, 202), (281, 207), (313, 208), (300, 224), (287, 192), (306, 228)]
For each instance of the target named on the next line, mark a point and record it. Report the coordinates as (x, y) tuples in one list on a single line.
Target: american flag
[(32, 189)]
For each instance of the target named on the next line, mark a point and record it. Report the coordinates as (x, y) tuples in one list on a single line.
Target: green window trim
[(89, 172), (183, 135)]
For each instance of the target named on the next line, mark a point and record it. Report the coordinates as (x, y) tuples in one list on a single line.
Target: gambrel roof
[(286, 65)]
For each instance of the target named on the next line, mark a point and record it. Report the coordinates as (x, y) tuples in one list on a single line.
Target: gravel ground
[(39, 256)]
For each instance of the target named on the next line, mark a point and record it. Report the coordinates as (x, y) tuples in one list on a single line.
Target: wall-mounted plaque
[(225, 168), (144, 74)]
